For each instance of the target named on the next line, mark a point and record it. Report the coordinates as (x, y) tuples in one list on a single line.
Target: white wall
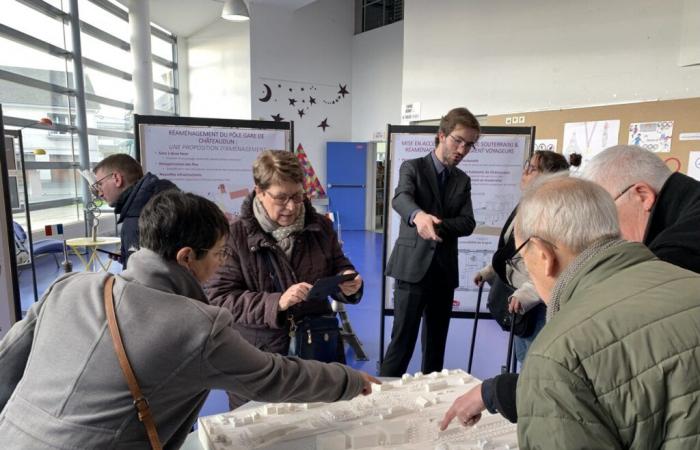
[(301, 54), (218, 71), (508, 56), (377, 71)]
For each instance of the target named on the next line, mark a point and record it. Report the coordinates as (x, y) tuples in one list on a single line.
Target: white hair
[(620, 166), (568, 211)]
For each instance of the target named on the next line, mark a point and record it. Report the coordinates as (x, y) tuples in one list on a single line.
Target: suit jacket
[(418, 189)]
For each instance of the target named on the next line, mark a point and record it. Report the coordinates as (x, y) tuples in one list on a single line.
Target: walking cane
[(476, 321), (506, 368)]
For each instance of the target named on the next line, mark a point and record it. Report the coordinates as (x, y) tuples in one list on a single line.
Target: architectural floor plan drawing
[(400, 414)]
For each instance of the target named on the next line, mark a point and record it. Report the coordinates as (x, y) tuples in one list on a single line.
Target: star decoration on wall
[(301, 113), (277, 118), (292, 101), (343, 89), (312, 101), (324, 124)]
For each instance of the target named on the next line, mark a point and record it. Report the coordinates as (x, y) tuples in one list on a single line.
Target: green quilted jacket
[(619, 365)]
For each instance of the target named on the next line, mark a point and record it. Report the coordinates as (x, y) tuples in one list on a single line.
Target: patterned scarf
[(283, 235), (576, 265)]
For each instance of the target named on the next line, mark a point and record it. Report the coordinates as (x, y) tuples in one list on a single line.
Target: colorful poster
[(653, 136), (214, 162), (494, 166), (589, 138), (694, 165)]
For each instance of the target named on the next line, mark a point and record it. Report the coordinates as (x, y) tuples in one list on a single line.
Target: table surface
[(88, 242)]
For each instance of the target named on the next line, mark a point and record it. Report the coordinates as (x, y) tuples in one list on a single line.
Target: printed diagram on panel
[(401, 414), (470, 262), (493, 212)]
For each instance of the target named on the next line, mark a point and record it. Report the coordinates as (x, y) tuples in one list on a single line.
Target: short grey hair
[(621, 166), (567, 211)]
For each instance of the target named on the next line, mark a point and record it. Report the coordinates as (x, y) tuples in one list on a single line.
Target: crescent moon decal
[(268, 94)]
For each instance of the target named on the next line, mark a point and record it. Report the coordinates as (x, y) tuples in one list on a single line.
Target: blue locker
[(346, 172)]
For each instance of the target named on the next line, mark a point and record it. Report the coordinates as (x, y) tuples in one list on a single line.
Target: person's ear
[(258, 191), (185, 256), (441, 136), (118, 179), (646, 194), (548, 258)]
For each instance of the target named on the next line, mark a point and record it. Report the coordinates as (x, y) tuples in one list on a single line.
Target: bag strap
[(140, 402)]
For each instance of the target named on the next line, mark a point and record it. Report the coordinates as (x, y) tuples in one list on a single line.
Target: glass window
[(105, 85), (105, 53), (106, 117), (162, 48), (104, 20), (34, 23), (162, 101), (23, 60), (163, 75)]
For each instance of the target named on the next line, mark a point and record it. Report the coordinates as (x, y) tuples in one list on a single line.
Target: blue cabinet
[(346, 172)]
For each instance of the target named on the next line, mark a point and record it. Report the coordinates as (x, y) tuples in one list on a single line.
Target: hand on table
[(467, 409)]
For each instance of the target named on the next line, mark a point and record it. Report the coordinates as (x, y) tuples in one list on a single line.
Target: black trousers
[(430, 299)]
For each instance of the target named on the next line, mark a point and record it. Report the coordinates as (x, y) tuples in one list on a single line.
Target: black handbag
[(497, 303), (315, 337)]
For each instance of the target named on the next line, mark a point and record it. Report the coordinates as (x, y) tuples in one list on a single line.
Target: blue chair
[(41, 247)]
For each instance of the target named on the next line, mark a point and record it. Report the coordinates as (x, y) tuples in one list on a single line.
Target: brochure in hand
[(324, 287)]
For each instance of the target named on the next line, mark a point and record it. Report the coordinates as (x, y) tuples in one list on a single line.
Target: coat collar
[(149, 269), (678, 199), (257, 237)]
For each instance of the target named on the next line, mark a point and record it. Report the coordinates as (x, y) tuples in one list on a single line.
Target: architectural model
[(401, 414)]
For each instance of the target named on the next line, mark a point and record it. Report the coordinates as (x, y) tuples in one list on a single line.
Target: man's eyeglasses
[(221, 254), (515, 259), (528, 168), (283, 199), (97, 185), (624, 191), (461, 142)]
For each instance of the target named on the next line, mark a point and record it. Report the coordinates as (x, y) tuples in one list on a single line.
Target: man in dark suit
[(433, 198)]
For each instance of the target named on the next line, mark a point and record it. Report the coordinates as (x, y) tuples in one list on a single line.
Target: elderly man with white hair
[(616, 366), (656, 207)]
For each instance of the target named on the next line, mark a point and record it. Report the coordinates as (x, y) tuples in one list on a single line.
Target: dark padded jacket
[(129, 206), (244, 285)]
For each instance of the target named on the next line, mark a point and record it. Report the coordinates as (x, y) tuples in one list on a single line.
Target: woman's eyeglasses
[(528, 168), (283, 199)]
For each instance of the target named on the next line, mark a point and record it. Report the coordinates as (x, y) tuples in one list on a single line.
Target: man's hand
[(368, 380), (350, 287), (295, 294), (425, 224), (514, 305), (466, 408)]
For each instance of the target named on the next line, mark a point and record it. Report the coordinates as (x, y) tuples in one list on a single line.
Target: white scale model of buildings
[(401, 414)]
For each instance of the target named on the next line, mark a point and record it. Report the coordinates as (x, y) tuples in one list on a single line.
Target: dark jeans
[(431, 300)]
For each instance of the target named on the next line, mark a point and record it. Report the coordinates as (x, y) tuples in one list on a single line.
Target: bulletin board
[(209, 157), (685, 114)]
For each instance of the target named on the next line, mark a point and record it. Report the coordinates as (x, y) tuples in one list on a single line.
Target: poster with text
[(495, 167), (589, 138), (694, 165), (653, 136), (214, 162)]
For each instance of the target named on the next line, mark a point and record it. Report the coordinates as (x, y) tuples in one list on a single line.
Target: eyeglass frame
[(624, 191), (283, 199), (462, 143), (97, 185), (224, 253), (511, 260)]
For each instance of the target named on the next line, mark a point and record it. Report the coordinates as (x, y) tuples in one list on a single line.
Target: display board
[(209, 157), (494, 166), (9, 301), (669, 127)]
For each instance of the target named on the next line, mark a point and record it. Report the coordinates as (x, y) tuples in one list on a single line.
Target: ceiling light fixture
[(235, 11)]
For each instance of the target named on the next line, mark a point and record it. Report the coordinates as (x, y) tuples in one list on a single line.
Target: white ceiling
[(185, 17)]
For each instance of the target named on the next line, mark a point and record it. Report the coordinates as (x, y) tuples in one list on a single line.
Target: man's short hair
[(566, 210), (172, 220), (620, 166), (458, 116), (130, 169), (275, 166)]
